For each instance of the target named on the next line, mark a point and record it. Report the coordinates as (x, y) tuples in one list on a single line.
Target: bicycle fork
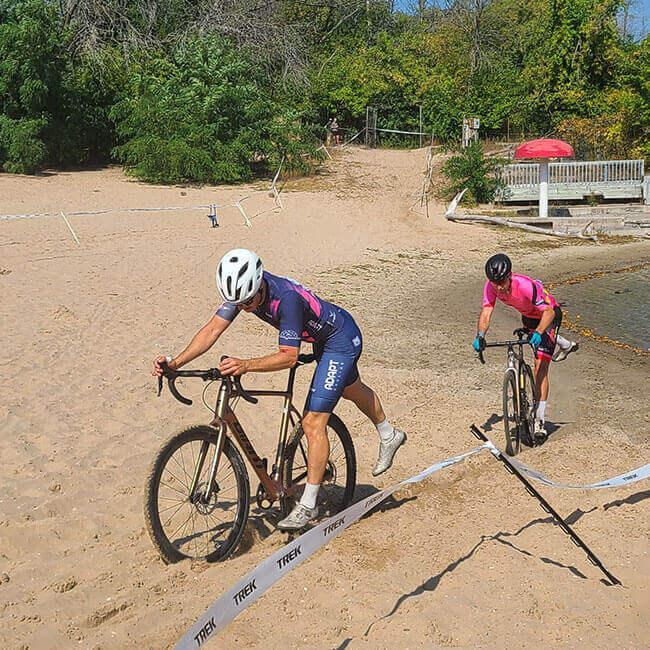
[(512, 368), (218, 422)]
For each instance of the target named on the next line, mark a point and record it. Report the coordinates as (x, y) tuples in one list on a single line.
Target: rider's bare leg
[(366, 400), (390, 438), (541, 379), (541, 387), (314, 425)]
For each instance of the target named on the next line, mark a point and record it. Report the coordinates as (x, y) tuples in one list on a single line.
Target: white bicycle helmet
[(239, 275)]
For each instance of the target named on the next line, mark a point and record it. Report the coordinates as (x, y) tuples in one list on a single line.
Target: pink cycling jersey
[(527, 296)]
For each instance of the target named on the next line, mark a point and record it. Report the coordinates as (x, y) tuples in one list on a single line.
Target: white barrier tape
[(118, 210), (404, 132), (352, 139), (622, 479), (275, 567)]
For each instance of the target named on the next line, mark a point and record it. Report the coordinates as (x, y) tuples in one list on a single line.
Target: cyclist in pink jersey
[(540, 315)]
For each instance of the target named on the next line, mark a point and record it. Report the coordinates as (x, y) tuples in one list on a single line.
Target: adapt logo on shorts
[(290, 335), (332, 370)]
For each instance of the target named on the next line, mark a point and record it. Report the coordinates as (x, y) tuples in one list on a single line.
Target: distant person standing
[(329, 134), (334, 127)]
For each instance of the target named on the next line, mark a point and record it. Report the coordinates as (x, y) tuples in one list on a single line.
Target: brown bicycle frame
[(225, 416)]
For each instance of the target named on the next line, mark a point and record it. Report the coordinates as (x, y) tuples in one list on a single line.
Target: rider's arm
[(548, 315), (291, 312), (484, 320), (203, 340), (285, 357)]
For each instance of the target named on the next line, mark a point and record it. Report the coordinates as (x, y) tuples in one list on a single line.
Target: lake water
[(616, 305)]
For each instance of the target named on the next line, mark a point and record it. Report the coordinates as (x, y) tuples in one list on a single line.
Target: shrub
[(21, 149), (470, 169), (204, 115)]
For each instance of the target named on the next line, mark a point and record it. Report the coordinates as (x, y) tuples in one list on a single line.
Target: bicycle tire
[(511, 421), (173, 550), (332, 497), (528, 406)]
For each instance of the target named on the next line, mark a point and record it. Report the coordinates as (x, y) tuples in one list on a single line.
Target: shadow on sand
[(502, 537)]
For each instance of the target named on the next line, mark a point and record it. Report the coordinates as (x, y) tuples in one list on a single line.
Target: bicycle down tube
[(224, 415)]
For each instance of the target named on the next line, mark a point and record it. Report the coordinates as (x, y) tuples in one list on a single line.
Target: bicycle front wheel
[(337, 488), (528, 405), (184, 525), (511, 421)]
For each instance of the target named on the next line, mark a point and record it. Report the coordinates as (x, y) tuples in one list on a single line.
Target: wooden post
[(421, 133)]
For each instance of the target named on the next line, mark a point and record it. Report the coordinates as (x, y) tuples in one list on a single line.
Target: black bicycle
[(519, 403), (197, 494)]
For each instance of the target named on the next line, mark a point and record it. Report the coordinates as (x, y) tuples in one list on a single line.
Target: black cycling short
[(549, 337)]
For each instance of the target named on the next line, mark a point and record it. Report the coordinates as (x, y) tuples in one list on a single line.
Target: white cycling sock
[(385, 430), (541, 410), (308, 498), (562, 342)]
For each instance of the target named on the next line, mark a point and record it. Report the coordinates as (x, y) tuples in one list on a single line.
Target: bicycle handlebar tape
[(174, 391)]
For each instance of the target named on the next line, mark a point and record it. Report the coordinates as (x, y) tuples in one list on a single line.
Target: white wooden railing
[(597, 171)]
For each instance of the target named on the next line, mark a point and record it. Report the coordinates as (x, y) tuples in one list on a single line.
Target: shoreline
[(577, 327)]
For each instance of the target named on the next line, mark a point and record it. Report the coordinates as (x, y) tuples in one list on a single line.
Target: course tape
[(622, 479), (275, 567)]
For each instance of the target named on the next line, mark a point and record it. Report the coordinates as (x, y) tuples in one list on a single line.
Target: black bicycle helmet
[(498, 268)]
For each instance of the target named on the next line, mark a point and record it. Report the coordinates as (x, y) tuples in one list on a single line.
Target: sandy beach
[(465, 559)]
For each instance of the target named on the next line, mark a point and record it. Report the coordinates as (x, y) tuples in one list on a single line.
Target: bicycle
[(200, 510), (518, 393)]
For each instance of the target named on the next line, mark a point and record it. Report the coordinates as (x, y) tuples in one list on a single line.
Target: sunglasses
[(249, 302)]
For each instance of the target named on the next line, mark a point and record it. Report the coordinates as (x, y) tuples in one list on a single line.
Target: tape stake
[(276, 194), (246, 219), (275, 567), (546, 506), (275, 178), (324, 148), (70, 227)]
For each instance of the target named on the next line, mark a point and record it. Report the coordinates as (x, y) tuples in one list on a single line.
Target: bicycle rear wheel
[(337, 488), (184, 526), (511, 422), (527, 405)]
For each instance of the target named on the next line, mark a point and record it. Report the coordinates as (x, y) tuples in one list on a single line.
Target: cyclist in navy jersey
[(300, 316)]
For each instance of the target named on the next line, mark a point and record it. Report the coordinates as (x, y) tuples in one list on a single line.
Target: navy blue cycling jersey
[(295, 311)]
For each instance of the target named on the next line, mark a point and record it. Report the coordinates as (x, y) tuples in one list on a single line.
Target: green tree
[(204, 115)]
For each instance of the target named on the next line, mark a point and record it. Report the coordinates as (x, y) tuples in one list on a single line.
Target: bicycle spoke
[(185, 484), (173, 515), (179, 527), (171, 487), (160, 511), (175, 477)]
